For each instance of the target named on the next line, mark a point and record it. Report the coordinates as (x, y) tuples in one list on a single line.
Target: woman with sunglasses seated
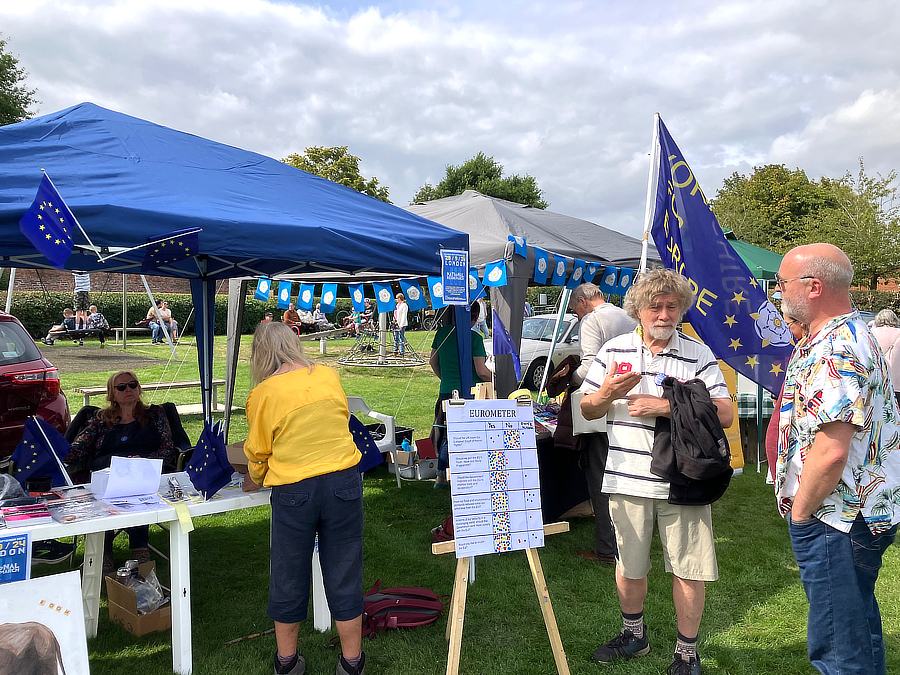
[(125, 428)]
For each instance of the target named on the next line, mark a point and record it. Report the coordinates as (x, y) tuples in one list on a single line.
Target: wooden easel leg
[(540, 585), (457, 613)]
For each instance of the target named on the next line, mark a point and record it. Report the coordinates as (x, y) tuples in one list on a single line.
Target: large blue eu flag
[(731, 312), (33, 456), (209, 467), (170, 248), (48, 224)]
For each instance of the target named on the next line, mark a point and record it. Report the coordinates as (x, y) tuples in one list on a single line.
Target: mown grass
[(755, 619)]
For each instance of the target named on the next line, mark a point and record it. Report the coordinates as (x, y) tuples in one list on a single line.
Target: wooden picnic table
[(89, 392)]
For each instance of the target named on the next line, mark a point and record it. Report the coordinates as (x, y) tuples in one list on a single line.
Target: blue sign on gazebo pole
[(455, 276)]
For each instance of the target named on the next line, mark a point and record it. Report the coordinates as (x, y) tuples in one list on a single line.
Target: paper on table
[(127, 477)]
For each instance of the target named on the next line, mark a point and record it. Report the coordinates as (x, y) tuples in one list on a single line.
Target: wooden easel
[(458, 602)]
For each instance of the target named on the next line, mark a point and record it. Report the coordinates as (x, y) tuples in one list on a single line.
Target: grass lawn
[(755, 618)]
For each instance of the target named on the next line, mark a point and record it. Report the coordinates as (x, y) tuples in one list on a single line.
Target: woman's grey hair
[(648, 286), (887, 317), (275, 344)]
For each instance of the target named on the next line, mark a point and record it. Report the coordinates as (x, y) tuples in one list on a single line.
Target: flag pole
[(651, 193), (81, 229), (53, 452)]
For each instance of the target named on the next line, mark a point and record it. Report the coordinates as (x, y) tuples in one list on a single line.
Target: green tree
[(338, 165), (865, 223), (15, 97), (484, 174), (775, 207)]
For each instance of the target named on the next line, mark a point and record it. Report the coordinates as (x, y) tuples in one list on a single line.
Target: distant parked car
[(537, 332), (29, 385)]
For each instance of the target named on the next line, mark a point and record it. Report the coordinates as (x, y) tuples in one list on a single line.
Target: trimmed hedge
[(39, 310)]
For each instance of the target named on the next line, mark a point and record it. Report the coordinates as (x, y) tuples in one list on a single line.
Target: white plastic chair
[(388, 443)]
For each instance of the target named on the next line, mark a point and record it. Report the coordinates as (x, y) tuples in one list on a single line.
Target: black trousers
[(595, 449)]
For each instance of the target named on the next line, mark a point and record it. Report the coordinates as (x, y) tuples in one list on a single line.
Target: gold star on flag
[(753, 282), (40, 217), (56, 211), (738, 297), (61, 220), (752, 362), (58, 241), (735, 344), (163, 244), (42, 227), (50, 204), (776, 369), (47, 236), (730, 320)]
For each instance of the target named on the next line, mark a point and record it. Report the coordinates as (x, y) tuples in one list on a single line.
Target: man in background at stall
[(600, 321)]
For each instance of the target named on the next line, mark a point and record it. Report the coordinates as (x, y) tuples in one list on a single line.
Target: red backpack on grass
[(400, 607)]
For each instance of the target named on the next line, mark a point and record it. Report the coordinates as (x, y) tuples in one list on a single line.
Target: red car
[(29, 385)]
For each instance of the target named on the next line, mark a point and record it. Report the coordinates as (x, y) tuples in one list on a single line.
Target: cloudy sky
[(564, 91)]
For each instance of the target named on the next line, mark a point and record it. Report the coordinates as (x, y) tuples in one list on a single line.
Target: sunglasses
[(133, 384)]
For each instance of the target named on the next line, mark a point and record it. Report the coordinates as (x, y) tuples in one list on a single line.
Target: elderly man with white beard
[(624, 383)]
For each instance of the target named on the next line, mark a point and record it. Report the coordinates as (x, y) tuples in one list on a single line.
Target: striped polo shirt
[(631, 438)]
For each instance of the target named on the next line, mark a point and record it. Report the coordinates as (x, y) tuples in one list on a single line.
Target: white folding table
[(231, 499)]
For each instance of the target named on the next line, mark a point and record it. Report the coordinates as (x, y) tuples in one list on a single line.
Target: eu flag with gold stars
[(209, 468), (371, 456), (170, 248), (731, 312), (48, 224), (33, 457)]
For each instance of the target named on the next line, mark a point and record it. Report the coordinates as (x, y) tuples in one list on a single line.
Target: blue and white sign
[(455, 277), (15, 557)]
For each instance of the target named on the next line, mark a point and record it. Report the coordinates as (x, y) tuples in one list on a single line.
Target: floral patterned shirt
[(840, 375)]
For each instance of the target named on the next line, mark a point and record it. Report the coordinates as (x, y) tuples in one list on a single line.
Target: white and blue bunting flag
[(495, 273), (559, 270), (577, 274), (541, 265), (262, 289), (357, 297), (590, 270), (626, 276), (436, 290), (284, 294), (476, 290), (413, 293), (329, 297), (384, 296), (609, 280), (306, 297), (521, 248)]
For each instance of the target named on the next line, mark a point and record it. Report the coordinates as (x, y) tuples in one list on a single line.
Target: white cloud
[(564, 91)]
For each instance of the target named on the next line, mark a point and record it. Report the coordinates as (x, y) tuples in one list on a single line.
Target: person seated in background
[(171, 324), (68, 323), (369, 311), (307, 322), (96, 320), (300, 322), (156, 333), (267, 318), (125, 428), (320, 319)]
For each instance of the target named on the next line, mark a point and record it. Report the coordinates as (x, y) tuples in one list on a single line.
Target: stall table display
[(563, 485), (229, 498), (750, 435)]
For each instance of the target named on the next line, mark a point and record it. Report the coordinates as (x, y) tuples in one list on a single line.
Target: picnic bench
[(119, 332), (323, 334), (88, 392)]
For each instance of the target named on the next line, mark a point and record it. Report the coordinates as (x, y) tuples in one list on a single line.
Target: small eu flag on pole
[(371, 455), (209, 467), (40, 453), (170, 248), (502, 343), (48, 224)]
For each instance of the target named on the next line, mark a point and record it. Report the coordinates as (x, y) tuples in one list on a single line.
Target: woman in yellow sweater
[(299, 444)]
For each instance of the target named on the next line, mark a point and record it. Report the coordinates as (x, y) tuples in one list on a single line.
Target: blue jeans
[(839, 571), (400, 339), (155, 331)]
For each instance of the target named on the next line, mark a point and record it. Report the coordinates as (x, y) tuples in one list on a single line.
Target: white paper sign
[(127, 477), (496, 484)]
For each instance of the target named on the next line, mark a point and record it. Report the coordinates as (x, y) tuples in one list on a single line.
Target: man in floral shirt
[(837, 478)]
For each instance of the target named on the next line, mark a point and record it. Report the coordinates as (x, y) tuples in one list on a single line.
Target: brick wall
[(101, 283)]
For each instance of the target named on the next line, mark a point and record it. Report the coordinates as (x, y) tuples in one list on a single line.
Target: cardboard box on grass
[(123, 606)]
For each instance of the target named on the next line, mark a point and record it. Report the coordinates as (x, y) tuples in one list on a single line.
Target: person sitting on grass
[(55, 332)]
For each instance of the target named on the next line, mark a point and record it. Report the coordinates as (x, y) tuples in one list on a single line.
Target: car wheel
[(535, 373)]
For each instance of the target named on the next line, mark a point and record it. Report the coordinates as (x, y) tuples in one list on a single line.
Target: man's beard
[(799, 309), (661, 332)]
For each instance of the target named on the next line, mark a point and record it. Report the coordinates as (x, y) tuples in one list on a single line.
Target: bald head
[(825, 262)]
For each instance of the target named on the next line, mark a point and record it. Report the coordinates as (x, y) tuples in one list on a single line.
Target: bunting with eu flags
[(495, 273), (590, 271), (476, 289), (262, 289), (436, 290), (284, 294), (541, 265), (414, 296), (209, 468), (48, 224), (577, 276), (609, 280), (170, 248), (357, 297), (384, 297), (329, 297), (520, 247), (305, 297), (33, 456), (559, 270), (731, 312)]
